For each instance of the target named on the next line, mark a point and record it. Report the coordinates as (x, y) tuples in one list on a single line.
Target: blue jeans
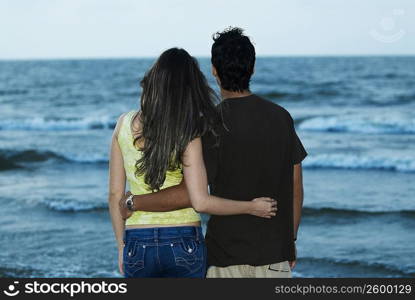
[(165, 252)]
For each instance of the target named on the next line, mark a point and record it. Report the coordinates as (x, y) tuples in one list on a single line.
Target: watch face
[(130, 203)]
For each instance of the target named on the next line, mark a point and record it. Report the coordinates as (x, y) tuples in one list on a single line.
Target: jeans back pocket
[(133, 256), (189, 253)]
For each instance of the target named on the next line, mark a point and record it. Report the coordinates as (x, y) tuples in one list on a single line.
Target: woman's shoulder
[(123, 117)]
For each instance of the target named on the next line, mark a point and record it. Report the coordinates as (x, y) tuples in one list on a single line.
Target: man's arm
[(298, 196), (171, 198)]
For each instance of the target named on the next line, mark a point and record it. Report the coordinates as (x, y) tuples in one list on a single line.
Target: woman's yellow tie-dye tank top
[(137, 186)]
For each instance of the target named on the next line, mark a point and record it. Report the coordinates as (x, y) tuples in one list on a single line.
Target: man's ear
[(214, 71), (215, 74)]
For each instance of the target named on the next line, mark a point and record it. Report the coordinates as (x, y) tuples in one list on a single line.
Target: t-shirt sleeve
[(210, 155), (298, 151)]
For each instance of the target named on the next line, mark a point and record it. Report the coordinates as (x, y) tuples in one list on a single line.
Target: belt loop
[(156, 235)]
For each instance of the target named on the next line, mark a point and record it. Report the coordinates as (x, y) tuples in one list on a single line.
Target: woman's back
[(137, 185)]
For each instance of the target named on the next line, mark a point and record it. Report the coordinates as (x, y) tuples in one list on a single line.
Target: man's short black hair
[(233, 56)]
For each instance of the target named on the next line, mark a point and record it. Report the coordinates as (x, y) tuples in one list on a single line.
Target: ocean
[(355, 116)]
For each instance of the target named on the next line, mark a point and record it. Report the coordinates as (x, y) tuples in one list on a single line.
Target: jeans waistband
[(159, 233)]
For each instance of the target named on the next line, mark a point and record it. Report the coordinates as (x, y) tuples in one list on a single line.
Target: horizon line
[(200, 56)]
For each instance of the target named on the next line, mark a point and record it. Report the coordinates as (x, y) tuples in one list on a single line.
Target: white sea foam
[(376, 124), (357, 161), (324, 160), (51, 124), (73, 205), (86, 157)]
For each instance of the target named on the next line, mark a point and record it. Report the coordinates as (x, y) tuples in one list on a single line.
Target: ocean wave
[(15, 272), (356, 161), (346, 212), (86, 158), (6, 164), (299, 96), (29, 155), (386, 76), (10, 159), (277, 95), (56, 124), (12, 92), (72, 205), (395, 269), (361, 124)]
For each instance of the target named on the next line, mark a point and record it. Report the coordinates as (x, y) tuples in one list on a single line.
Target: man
[(257, 153)]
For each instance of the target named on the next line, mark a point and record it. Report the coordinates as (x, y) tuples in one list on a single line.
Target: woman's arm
[(117, 179), (196, 181)]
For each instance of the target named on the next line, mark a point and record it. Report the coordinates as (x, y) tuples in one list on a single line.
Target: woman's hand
[(264, 207), (120, 260)]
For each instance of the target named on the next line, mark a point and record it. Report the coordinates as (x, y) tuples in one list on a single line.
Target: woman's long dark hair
[(177, 105)]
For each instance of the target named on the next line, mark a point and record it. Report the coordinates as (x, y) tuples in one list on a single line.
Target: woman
[(154, 149)]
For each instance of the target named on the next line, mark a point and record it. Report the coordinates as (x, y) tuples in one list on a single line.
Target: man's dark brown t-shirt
[(253, 157)]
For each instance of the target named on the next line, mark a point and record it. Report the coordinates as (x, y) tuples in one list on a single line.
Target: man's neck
[(230, 94)]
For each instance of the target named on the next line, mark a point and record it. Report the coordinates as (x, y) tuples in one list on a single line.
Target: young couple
[(179, 143)]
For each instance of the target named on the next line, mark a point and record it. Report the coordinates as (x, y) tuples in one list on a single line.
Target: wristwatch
[(129, 202)]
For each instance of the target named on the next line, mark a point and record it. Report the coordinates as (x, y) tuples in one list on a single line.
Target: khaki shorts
[(277, 270)]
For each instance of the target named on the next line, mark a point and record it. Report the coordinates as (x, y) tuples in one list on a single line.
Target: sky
[(44, 29)]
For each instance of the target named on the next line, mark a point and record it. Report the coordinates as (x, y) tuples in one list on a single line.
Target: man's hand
[(124, 211), (292, 263)]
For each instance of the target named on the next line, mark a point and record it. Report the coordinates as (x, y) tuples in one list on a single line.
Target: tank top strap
[(125, 134)]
